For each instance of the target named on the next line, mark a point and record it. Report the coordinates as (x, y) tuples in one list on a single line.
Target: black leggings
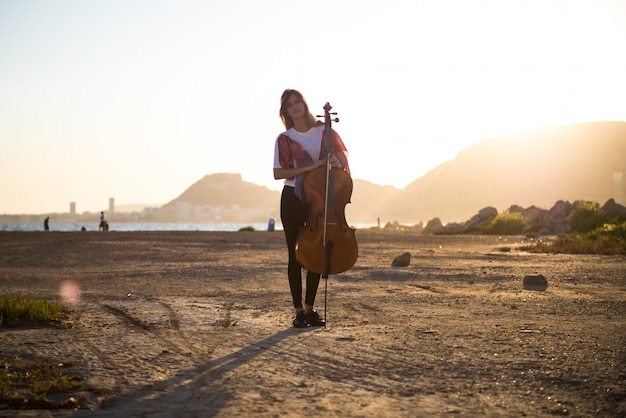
[(293, 214)]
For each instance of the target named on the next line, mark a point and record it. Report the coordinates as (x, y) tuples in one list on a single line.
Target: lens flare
[(70, 292)]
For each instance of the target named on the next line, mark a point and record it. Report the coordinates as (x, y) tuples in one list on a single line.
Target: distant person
[(297, 151), (46, 224), (104, 225)]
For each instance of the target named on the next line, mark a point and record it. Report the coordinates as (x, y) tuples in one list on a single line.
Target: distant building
[(184, 210), (111, 205), (72, 208)]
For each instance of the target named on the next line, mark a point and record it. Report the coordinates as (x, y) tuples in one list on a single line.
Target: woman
[(298, 150)]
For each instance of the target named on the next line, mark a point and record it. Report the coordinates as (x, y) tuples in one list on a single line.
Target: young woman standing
[(298, 150)]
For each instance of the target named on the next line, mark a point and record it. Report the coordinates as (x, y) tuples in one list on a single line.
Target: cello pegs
[(333, 120)]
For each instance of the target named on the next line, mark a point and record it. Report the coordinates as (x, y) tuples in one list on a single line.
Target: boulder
[(488, 213), (612, 208), (453, 228), (560, 210), (532, 214), (482, 218), (394, 225), (433, 226), (535, 282), (402, 260)]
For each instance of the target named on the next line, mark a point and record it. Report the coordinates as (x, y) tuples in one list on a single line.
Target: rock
[(482, 218), (532, 214), (614, 209), (455, 228), (394, 225), (560, 210), (434, 225), (535, 282), (402, 260), (452, 228), (488, 213)]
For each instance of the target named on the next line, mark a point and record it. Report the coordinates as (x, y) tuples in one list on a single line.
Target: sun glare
[(188, 89)]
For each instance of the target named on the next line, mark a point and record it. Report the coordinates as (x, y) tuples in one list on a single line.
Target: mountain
[(537, 167), (369, 202), (227, 189), (223, 197)]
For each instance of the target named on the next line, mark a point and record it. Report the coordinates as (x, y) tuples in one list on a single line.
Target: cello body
[(326, 244), (339, 251)]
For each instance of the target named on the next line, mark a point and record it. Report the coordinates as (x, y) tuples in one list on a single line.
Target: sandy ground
[(198, 324)]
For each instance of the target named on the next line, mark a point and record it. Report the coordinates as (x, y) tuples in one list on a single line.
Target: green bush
[(586, 217), (611, 231), (506, 223), (608, 239)]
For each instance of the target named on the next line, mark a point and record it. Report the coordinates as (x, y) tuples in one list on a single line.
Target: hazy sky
[(138, 100)]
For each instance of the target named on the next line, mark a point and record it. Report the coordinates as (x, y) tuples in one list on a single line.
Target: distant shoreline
[(149, 226), (137, 226)]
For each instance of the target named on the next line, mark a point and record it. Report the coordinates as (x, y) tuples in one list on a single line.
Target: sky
[(139, 99)]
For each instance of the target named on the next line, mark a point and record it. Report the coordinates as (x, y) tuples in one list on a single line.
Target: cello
[(326, 244)]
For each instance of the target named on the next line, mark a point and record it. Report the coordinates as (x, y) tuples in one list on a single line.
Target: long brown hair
[(287, 121)]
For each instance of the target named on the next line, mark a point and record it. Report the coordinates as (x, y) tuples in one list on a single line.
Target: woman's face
[(295, 107)]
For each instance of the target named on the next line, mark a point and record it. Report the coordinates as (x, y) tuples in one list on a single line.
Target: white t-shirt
[(311, 142)]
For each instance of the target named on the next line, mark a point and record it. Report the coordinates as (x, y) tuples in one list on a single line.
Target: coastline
[(135, 226), (151, 226)]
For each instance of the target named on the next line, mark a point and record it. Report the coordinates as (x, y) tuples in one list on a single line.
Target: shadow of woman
[(196, 391)]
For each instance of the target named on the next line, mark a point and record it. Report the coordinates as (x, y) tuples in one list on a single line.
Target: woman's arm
[(286, 173)]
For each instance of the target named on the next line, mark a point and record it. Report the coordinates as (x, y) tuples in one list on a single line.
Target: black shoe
[(313, 319), (300, 320)]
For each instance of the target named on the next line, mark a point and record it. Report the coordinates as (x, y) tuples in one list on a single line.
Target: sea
[(142, 226), (156, 226)]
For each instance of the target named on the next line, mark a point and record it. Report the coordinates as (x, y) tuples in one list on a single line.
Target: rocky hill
[(538, 168)]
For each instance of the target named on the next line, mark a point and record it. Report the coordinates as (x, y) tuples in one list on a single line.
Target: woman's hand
[(335, 163), (317, 164)]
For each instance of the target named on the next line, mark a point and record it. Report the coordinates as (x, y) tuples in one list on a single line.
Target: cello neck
[(328, 120)]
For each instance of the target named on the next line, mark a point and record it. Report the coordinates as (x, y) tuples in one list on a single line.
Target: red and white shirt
[(297, 149)]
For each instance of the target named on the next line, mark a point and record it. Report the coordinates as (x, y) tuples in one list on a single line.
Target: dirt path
[(199, 324)]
